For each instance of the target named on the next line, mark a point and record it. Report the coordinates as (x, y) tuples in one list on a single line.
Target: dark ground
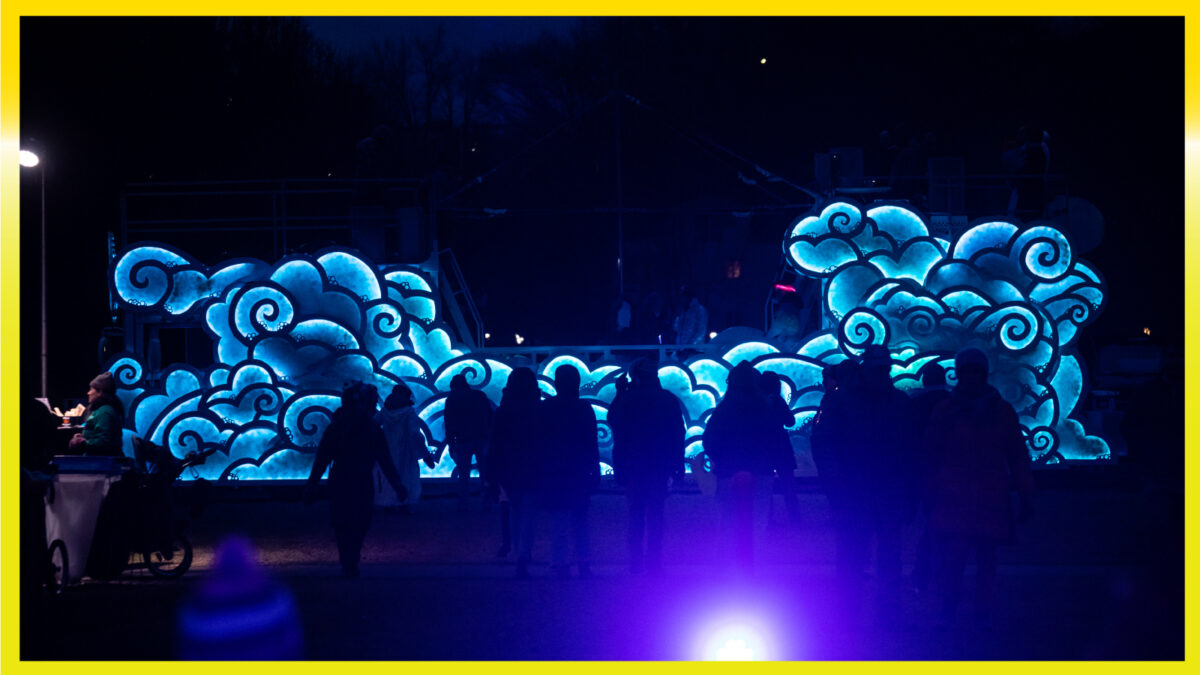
[(1098, 574)]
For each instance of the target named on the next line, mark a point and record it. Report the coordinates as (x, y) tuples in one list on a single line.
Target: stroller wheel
[(171, 560)]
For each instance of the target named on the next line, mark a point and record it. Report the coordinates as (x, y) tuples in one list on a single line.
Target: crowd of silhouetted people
[(949, 460)]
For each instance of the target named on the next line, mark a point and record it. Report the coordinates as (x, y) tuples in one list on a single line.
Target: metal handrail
[(665, 353), (458, 288)]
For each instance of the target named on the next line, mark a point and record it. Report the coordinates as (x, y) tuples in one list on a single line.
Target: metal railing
[(457, 299), (601, 354)]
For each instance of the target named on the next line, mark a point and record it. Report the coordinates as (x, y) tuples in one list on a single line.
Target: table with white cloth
[(72, 510)]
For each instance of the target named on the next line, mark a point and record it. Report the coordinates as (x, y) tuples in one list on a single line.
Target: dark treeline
[(262, 97), (113, 100)]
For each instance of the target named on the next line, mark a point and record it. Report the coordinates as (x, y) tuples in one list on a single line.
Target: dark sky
[(116, 100), (470, 33)]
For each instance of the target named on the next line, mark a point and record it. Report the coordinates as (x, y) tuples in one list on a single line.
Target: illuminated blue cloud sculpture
[(1015, 292), (288, 336)]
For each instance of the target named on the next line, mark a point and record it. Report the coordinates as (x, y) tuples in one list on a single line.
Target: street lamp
[(30, 159)]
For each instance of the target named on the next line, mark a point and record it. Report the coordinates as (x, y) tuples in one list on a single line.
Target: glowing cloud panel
[(288, 336)]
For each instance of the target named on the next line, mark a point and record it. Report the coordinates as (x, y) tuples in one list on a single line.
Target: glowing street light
[(764, 62), (519, 338), (28, 158)]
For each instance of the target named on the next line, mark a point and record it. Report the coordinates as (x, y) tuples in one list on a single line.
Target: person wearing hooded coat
[(881, 472), (467, 420), (648, 432), (515, 456), (353, 443), (571, 471), (980, 454), (407, 447), (923, 401), (831, 427), (103, 419), (738, 442), (864, 459)]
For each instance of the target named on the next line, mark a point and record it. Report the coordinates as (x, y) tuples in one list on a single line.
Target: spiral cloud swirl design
[(287, 336)]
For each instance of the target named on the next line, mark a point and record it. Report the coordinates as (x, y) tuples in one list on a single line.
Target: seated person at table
[(103, 419)]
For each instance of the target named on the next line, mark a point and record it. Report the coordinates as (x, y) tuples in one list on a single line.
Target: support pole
[(620, 208), (44, 341)]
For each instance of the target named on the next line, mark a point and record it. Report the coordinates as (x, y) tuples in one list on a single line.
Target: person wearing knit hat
[(103, 419), (353, 444), (104, 383), (238, 612)]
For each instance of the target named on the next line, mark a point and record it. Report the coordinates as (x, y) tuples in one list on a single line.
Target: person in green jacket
[(102, 421)]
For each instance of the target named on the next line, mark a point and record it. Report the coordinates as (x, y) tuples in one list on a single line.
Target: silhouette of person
[(468, 417), (648, 432), (783, 458), (354, 443), (515, 456), (737, 441), (651, 322), (691, 326), (1031, 161), (831, 427), (103, 419), (981, 456), (38, 426), (922, 403), (571, 471), (623, 333), (833, 430), (881, 474), (858, 443), (407, 447)]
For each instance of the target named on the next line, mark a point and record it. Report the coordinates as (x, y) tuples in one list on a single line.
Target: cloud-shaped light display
[(287, 336), (1015, 292)]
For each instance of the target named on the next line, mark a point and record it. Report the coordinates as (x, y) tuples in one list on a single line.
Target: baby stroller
[(143, 527)]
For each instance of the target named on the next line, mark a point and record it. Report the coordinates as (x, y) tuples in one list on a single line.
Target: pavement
[(1098, 574)]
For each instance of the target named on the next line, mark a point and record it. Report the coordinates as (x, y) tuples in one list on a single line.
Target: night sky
[(107, 101)]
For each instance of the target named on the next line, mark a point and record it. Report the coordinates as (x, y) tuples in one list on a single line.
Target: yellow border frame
[(12, 10)]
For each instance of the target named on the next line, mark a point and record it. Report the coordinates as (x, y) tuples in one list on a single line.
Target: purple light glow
[(736, 642), (739, 627)]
